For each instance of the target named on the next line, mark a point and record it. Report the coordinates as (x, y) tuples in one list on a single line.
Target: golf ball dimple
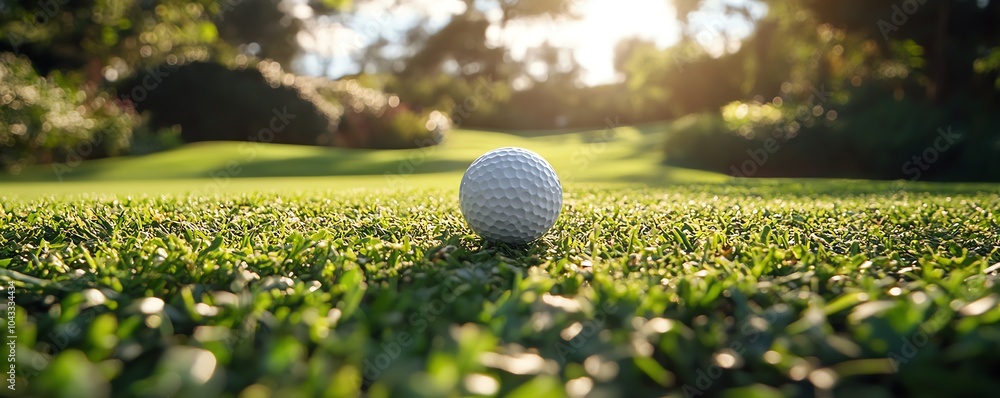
[(510, 195)]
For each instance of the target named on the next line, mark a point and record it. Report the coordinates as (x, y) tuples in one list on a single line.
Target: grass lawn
[(654, 281), (623, 155)]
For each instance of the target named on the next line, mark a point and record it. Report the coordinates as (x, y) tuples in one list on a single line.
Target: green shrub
[(47, 119), (210, 102), (466, 101), (374, 119), (865, 134)]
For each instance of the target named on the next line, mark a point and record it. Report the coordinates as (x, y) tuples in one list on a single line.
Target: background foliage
[(48, 119), (854, 89)]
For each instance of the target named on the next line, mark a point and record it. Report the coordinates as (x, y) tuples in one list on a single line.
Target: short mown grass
[(622, 154), (758, 289)]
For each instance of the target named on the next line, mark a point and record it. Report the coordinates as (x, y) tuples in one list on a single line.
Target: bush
[(213, 103), (863, 135), (45, 120), (466, 101), (364, 117), (374, 119)]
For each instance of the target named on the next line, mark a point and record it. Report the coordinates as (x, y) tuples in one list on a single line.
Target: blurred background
[(881, 89)]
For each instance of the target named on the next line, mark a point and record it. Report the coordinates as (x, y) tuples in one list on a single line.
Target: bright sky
[(592, 38)]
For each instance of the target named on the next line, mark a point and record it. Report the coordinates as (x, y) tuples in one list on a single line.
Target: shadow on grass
[(325, 166), (473, 248), (307, 166)]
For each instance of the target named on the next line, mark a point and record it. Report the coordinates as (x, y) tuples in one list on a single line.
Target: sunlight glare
[(593, 37), (606, 22)]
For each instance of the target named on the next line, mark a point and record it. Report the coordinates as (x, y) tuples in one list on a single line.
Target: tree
[(261, 24), (90, 35), (464, 40)]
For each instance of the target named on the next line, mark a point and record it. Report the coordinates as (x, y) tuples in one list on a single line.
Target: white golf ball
[(510, 195)]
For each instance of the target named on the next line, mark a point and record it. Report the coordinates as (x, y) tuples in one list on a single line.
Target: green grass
[(226, 269), (753, 289), (620, 155)]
